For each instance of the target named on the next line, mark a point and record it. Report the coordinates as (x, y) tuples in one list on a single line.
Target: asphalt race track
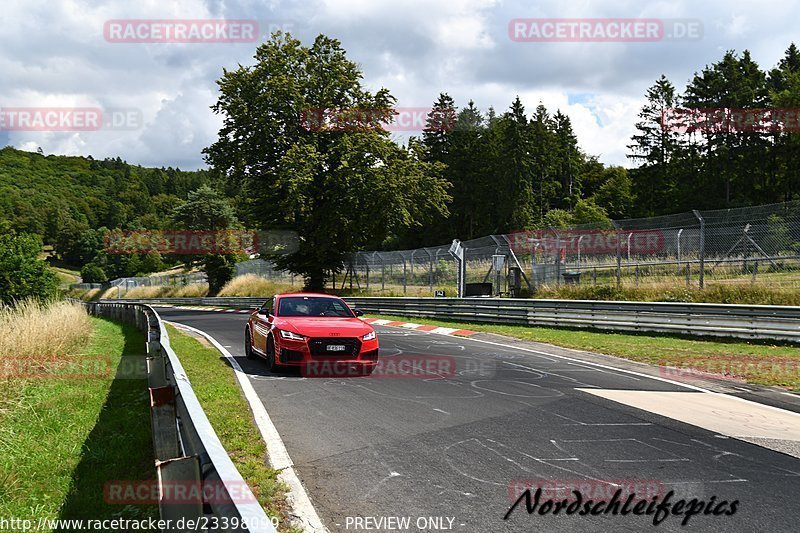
[(454, 447)]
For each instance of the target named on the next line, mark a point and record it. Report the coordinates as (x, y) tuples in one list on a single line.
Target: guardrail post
[(165, 431), (702, 246), (179, 473)]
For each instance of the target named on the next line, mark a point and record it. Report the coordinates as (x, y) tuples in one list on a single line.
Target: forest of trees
[(522, 169), (70, 203), (513, 171), (488, 173), (710, 168)]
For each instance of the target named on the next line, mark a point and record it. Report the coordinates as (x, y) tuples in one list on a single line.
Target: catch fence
[(730, 246)]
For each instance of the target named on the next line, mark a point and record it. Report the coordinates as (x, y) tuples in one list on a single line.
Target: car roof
[(314, 294)]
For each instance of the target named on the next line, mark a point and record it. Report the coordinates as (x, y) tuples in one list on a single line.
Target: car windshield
[(313, 306)]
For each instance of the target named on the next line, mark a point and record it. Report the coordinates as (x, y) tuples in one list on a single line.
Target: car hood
[(326, 326)]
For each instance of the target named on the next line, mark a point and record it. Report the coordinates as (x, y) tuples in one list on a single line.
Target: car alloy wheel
[(248, 348), (271, 364)]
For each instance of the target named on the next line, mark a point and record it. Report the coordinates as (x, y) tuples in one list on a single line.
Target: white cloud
[(54, 54)]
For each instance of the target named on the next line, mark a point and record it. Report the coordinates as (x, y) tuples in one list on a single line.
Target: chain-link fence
[(728, 246), (264, 269), (745, 245), (125, 284)]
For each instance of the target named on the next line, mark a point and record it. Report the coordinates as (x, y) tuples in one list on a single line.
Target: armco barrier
[(188, 451), (767, 322), (718, 320)]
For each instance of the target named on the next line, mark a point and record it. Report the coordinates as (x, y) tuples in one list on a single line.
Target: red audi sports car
[(317, 333)]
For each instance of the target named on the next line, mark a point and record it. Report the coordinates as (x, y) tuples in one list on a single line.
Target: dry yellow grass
[(190, 291), (253, 285), (34, 329), (168, 291)]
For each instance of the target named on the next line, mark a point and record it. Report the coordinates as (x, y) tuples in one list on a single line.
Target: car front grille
[(319, 346)]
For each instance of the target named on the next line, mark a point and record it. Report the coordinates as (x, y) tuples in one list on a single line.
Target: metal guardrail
[(187, 449), (781, 323), (234, 302), (717, 320)]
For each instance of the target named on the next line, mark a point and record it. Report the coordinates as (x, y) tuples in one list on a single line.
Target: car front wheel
[(271, 364), (248, 347)]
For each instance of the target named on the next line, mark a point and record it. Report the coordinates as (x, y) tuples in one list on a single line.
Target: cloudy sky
[(55, 54)]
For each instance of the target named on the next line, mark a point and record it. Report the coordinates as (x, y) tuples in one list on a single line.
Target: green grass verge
[(62, 439), (756, 294), (761, 364), (219, 393)]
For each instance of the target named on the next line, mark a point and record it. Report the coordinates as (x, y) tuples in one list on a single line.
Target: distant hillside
[(52, 195)]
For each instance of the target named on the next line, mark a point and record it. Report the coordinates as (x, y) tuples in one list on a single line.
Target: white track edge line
[(279, 458)]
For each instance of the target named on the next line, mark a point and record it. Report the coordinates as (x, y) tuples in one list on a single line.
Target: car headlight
[(369, 336), (291, 335)]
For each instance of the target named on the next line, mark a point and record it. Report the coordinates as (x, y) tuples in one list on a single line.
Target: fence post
[(702, 246), (594, 276), (383, 272), (558, 257), (619, 254), (688, 281), (637, 275), (405, 279), (352, 272), (755, 271), (430, 272), (464, 274)]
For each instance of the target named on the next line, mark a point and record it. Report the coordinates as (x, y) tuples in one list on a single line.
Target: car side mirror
[(358, 312)]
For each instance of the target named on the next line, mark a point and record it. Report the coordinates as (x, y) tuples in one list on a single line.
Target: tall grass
[(34, 329), (195, 290), (37, 329), (253, 285)]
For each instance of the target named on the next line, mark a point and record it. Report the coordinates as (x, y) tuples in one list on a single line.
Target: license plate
[(336, 348)]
